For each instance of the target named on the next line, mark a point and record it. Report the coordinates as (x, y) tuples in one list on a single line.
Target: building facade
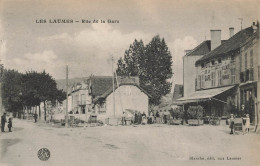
[(96, 96), (227, 76)]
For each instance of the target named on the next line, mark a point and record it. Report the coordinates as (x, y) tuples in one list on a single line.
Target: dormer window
[(219, 60)]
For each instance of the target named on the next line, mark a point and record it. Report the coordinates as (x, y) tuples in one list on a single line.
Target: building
[(177, 92), (97, 95), (190, 58), (227, 76)]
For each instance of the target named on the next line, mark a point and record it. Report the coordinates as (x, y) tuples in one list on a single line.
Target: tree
[(40, 87), (11, 87), (152, 64)]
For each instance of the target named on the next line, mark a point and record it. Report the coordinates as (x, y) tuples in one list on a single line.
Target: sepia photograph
[(130, 83)]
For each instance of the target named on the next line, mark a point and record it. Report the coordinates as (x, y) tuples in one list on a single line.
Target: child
[(10, 125)]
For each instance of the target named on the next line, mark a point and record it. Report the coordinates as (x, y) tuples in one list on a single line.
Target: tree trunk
[(40, 111), (44, 110)]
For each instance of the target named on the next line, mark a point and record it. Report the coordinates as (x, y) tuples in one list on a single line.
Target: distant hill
[(61, 83)]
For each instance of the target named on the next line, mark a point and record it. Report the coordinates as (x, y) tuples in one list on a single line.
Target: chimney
[(231, 31), (215, 36), (254, 26)]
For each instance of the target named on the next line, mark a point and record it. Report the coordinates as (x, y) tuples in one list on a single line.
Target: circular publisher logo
[(44, 154)]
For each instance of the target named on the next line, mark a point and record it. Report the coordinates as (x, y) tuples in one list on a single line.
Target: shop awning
[(201, 95)]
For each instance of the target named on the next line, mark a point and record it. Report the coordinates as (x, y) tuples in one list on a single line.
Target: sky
[(87, 48)]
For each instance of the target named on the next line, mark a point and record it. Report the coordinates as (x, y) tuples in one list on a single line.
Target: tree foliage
[(29, 89), (151, 63), (11, 86)]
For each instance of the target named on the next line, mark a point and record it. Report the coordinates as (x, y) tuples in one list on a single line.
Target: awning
[(201, 95)]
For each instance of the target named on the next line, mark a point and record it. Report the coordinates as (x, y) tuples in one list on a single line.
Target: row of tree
[(20, 91), (151, 63)]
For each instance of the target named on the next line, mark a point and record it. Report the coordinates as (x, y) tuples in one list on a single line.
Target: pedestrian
[(231, 124), (247, 124), (35, 117), (136, 118), (124, 119), (139, 118), (10, 124), (143, 114), (3, 121), (157, 116)]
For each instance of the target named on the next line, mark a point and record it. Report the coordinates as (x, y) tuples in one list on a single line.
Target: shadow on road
[(5, 143)]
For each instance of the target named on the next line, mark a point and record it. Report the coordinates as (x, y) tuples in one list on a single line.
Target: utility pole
[(241, 22), (67, 93), (113, 86)]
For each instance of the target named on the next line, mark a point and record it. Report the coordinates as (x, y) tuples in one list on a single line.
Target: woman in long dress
[(247, 124)]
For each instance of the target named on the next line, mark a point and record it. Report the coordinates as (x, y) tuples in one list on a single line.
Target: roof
[(100, 84), (202, 95), (110, 90), (231, 44), (177, 92), (202, 49)]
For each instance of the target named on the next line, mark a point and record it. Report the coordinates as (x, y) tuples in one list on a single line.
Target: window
[(258, 72), (233, 75), (213, 62), (219, 77), (219, 60), (240, 62), (245, 61), (202, 81), (199, 82), (213, 79), (232, 58), (251, 59)]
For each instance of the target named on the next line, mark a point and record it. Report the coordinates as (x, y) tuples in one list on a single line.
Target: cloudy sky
[(87, 48)]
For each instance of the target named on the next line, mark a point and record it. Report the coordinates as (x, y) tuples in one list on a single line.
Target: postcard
[(137, 82)]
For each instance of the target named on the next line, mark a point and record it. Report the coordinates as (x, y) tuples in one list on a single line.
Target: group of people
[(142, 118), (138, 118), (3, 121), (245, 124)]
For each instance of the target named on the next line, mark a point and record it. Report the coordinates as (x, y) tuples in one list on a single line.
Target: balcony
[(247, 75)]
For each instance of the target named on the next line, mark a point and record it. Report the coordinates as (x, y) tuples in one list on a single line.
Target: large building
[(190, 58), (227, 76)]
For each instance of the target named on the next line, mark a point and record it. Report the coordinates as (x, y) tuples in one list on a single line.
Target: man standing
[(3, 121), (35, 117)]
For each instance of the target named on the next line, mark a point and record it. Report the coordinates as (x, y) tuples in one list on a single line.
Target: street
[(152, 145)]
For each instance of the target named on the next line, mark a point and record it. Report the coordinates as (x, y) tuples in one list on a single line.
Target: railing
[(247, 75)]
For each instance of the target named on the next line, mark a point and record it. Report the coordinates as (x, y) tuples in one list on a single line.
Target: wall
[(131, 98), (220, 73), (189, 74)]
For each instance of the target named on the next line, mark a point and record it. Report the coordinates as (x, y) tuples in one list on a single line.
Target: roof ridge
[(225, 47), (196, 47)]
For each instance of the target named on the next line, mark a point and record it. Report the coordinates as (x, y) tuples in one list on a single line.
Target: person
[(124, 119), (157, 116), (231, 124), (3, 121), (139, 118), (143, 115), (247, 124), (136, 118), (35, 117), (10, 124)]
